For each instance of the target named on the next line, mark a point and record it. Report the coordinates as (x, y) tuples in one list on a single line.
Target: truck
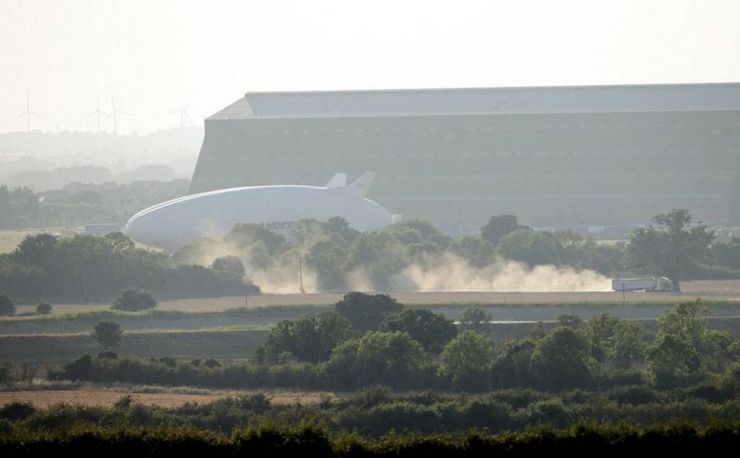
[(642, 284)]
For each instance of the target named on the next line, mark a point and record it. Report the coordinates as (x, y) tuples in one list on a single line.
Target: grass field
[(93, 396), (221, 345)]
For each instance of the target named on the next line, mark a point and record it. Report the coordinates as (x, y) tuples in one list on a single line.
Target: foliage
[(84, 267), (311, 338), (475, 319), (615, 340), (229, 265), (672, 248), (684, 345), (366, 312), (431, 330), (562, 360), (107, 333), (7, 305), (43, 308), (499, 226), (531, 247), (467, 359), (134, 300), (388, 358)]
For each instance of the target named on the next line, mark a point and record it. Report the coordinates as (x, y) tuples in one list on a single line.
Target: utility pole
[(300, 275)]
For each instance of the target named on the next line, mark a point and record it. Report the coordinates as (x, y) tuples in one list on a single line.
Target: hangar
[(553, 156)]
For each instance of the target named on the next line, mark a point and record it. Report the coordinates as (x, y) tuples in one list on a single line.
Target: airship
[(178, 222)]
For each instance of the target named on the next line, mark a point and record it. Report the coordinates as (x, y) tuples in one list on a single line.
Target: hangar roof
[(504, 100)]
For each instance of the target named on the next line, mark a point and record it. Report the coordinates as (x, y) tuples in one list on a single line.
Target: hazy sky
[(150, 55)]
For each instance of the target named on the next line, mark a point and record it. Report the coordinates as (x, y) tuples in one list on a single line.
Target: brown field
[(717, 289), (106, 397)]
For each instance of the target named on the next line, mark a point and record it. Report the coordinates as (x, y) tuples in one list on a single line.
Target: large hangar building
[(553, 156)]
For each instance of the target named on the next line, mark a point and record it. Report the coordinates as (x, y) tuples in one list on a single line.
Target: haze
[(151, 56)]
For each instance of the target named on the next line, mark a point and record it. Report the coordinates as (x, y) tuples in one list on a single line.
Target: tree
[(326, 258), (562, 360), (44, 308), (499, 226), (475, 319), (684, 344), (366, 312), (35, 250), (7, 305), (107, 333), (532, 247), (467, 359), (229, 265), (310, 338), (615, 339), (512, 366), (476, 251), (431, 330), (388, 358), (672, 248), (132, 300)]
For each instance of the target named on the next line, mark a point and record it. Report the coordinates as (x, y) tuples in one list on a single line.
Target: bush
[(132, 300), (7, 305), (17, 411), (107, 333), (44, 308)]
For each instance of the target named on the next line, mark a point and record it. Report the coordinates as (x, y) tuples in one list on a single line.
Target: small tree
[(431, 330), (44, 308), (672, 248), (467, 359), (562, 360), (475, 319), (7, 306), (499, 226), (366, 312), (132, 300), (107, 333), (229, 265)]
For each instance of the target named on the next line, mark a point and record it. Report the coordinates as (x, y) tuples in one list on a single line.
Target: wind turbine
[(183, 110), (28, 113), (97, 112), (115, 112)]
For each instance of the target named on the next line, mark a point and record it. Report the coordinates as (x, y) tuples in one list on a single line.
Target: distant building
[(553, 156)]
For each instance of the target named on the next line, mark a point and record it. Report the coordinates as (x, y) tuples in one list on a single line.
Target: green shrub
[(44, 308), (7, 305), (133, 300)]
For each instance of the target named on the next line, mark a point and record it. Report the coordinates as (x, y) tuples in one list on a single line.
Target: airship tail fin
[(339, 180), (360, 186)]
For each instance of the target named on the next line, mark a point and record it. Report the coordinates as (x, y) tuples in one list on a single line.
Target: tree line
[(672, 246), (372, 339), (78, 204), (86, 267)]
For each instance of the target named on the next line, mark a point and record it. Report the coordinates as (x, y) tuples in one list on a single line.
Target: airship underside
[(180, 221)]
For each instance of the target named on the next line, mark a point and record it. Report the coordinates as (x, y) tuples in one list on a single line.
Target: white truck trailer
[(641, 284)]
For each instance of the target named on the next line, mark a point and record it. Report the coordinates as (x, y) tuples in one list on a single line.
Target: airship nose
[(139, 228)]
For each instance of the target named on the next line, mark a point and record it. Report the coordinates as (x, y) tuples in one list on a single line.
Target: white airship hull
[(176, 223)]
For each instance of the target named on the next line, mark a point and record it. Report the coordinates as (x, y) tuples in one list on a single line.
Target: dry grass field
[(11, 238), (716, 289), (106, 397)]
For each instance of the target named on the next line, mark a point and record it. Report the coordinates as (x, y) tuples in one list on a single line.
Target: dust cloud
[(283, 275)]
